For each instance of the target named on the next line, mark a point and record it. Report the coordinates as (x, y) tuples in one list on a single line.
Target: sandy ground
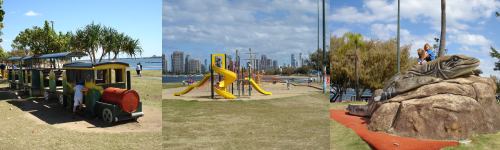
[(50, 113), (278, 90)]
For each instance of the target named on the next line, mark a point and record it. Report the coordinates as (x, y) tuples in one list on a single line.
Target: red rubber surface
[(382, 140)]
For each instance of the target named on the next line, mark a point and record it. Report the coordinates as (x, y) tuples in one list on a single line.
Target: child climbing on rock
[(421, 56), (430, 54)]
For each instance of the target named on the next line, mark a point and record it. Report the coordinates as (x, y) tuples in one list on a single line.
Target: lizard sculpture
[(445, 67)]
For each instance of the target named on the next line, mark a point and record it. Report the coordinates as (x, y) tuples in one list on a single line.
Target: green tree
[(131, 47), (110, 42), (41, 40), (315, 60), (494, 53), (3, 54), (95, 37), (375, 62)]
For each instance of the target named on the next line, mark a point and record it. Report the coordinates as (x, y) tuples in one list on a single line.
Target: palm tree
[(93, 40), (109, 41), (442, 43), (95, 36), (131, 47)]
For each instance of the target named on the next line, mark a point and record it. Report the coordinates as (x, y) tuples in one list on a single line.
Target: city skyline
[(270, 63)]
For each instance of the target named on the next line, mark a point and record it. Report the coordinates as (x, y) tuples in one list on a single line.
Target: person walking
[(138, 69)]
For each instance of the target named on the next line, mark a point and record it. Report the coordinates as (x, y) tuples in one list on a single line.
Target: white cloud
[(387, 31), (458, 12), (340, 31), (468, 39), (267, 27), (32, 13)]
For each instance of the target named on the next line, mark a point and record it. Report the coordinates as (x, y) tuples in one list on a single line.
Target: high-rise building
[(265, 63), (194, 66), (301, 61), (203, 69), (275, 64), (293, 62), (186, 66), (178, 62), (269, 64), (164, 64), (206, 66)]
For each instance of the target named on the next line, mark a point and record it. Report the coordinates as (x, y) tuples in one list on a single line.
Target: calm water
[(180, 78), (350, 94), (147, 63)]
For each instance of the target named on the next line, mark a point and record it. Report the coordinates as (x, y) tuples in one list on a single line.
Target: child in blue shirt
[(430, 54)]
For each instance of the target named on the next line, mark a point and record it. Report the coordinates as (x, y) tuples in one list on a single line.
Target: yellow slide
[(229, 77), (257, 87), (191, 87)]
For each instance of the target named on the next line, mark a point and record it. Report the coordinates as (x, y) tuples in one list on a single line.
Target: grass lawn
[(149, 73), (148, 87), (18, 132), (171, 85), (484, 141), (286, 123)]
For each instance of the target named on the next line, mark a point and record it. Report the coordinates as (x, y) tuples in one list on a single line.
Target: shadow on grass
[(50, 111)]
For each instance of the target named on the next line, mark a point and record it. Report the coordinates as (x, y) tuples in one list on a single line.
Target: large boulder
[(448, 109)]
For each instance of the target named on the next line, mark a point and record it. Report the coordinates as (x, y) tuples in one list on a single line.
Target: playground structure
[(54, 76), (225, 75)]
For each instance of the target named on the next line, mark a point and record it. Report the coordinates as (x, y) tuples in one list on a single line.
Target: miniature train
[(109, 94)]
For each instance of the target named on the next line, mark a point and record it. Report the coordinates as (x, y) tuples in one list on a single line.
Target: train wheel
[(107, 115)]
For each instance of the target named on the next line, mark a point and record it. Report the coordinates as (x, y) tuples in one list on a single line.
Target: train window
[(118, 75), (101, 76), (87, 75)]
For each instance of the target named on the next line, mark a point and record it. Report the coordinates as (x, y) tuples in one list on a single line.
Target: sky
[(138, 19), (275, 28), (472, 27)]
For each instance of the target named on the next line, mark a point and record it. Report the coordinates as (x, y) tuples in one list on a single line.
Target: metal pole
[(250, 73), (398, 40), (249, 78), (324, 40), (318, 28), (238, 69), (211, 78)]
